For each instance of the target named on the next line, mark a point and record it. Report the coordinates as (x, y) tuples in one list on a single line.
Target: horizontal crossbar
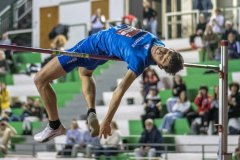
[(85, 55)]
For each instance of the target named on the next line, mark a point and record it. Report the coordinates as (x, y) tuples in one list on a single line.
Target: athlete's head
[(168, 59)]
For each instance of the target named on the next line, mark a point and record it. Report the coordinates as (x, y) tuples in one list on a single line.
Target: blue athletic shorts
[(85, 46)]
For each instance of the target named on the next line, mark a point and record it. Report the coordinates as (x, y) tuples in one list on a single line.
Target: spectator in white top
[(98, 21), (217, 22), (112, 143), (178, 111)]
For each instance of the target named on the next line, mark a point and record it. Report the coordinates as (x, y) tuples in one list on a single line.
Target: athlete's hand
[(105, 129)]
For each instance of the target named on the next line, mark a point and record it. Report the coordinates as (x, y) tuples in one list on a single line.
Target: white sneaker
[(93, 124), (48, 133)]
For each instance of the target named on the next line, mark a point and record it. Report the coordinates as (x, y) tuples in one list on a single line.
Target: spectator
[(130, 20), (60, 29), (199, 32), (111, 144), (73, 138), (210, 43), (87, 144), (8, 53), (33, 114), (150, 135), (4, 99), (150, 79), (4, 68), (98, 21), (233, 46), (213, 112), (178, 86), (217, 22), (5, 39), (203, 103), (59, 42), (229, 29), (149, 18), (202, 5), (6, 132), (178, 111), (152, 106), (234, 108)]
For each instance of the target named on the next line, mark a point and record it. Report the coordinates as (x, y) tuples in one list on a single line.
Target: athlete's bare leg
[(52, 70), (88, 86), (89, 92)]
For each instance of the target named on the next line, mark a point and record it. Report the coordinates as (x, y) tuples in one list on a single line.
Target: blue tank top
[(130, 44)]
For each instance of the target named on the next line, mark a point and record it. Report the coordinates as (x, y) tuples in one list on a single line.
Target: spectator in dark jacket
[(229, 28), (234, 109), (234, 101), (152, 106), (233, 46), (178, 87), (149, 136), (201, 26), (149, 18)]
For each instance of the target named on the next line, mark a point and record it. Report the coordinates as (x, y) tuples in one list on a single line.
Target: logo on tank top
[(128, 32)]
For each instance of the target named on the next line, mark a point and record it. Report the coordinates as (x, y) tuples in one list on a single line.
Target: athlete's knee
[(85, 73), (40, 80)]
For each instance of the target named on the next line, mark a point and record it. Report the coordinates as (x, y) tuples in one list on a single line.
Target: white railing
[(195, 17)]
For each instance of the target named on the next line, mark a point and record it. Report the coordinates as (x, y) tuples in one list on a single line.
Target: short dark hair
[(175, 63), (234, 84), (204, 88)]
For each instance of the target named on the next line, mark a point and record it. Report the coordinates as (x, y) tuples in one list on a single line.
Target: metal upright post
[(223, 109)]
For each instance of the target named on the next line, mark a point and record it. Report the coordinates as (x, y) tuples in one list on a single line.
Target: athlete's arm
[(115, 101)]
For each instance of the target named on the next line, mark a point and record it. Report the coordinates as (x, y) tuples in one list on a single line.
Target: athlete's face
[(167, 59), (161, 56)]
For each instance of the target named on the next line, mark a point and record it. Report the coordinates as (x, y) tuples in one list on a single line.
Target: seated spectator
[(150, 135), (217, 22), (199, 32), (6, 132), (73, 138), (6, 41), (203, 103), (5, 99), (111, 144), (32, 114), (4, 68), (229, 28), (210, 43), (233, 46), (213, 112), (87, 144), (234, 106), (179, 109), (150, 79), (178, 86), (152, 106)]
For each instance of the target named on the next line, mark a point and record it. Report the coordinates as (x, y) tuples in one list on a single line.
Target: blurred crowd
[(199, 112), (210, 31)]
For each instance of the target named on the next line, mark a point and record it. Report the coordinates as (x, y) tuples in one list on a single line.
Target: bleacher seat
[(181, 126), (136, 126), (27, 57), (165, 94), (17, 111)]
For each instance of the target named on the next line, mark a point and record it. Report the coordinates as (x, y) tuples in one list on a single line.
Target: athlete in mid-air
[(138, 48)]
